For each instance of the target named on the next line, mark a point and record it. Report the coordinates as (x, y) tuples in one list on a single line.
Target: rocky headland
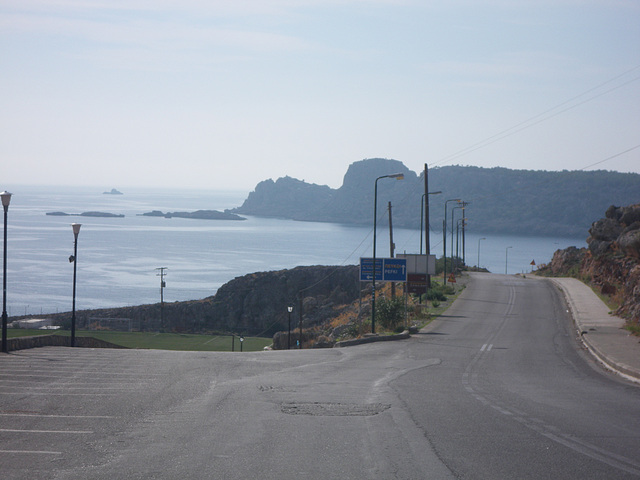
[(254, 304), (500, 200), (610, 263)]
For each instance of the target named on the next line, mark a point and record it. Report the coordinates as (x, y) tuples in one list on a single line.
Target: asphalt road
[(496, 389)]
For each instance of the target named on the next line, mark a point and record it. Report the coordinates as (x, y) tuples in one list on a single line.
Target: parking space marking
[(61, 394), (32, 452), (74, 432), (55, 416)]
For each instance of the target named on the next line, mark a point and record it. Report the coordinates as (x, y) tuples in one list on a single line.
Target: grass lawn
[(159, 341)]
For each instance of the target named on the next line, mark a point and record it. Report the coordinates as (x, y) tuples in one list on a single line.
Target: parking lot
[(61, 408)]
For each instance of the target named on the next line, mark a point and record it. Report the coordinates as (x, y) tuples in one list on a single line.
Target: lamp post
[(506, 258), (483, 238), (300, 321), (6, 200), (444, 237), (74, 259), (289, 309), (397, 176)]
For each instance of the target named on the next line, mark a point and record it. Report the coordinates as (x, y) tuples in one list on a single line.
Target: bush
[(390, 312), (436, 294)]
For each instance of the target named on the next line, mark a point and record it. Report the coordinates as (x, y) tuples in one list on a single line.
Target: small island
[(198, 214), (86, 214), (113, 191)]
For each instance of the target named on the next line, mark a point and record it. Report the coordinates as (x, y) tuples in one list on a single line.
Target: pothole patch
[(275, 388), (321, 409)]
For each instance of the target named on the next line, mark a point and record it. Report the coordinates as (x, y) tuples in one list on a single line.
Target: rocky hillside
[(254, 304), (501, 200), (611, 263)]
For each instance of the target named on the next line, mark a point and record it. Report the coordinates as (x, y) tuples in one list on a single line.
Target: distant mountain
[(522, 202)]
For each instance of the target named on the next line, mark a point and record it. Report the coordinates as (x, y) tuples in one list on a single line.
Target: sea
[(118, 259)]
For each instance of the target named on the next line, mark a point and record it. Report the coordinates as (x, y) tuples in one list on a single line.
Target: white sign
[(423, 264)]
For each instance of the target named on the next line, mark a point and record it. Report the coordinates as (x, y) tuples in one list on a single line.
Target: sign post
[(419, 267)]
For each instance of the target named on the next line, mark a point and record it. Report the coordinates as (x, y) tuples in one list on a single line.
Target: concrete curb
[(605, 358), (620, 368), (371, 339)]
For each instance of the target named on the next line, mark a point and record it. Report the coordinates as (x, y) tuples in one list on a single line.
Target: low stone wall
[(373, 338), (22, 343)]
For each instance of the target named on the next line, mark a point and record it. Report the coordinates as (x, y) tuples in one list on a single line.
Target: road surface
[(496, 388)]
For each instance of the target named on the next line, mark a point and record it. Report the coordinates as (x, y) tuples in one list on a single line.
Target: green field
[(159, 341)]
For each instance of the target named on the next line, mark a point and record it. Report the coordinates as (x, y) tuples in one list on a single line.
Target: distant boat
[(113, 192)]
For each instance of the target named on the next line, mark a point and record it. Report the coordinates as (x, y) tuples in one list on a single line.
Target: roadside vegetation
[(392, 315)]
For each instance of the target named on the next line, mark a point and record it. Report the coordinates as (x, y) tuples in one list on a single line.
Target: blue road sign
[(387, 269), (394, 270), (366, 269)]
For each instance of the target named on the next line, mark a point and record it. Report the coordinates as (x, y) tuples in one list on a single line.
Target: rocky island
[(86, 214), (198, 214), (113, 191)]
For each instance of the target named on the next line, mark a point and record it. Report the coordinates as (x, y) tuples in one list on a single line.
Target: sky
[(222, 94)]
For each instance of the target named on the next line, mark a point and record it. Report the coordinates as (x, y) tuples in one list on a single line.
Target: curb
[(361, 341), (618, 368), (623, 370)]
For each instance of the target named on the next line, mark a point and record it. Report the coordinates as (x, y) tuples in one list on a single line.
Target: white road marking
[(34, 452), (73, 432)]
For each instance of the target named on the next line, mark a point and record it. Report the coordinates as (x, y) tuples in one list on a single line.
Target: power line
[(543, 116)]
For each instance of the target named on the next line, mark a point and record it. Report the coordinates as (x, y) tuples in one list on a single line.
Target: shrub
[(390, 312)]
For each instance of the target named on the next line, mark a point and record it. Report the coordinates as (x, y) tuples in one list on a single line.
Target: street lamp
[(397, 176), (483, 238), (444, 237), (6, 200), (74, 259), (506, 257), (289, 309), (424, 203)]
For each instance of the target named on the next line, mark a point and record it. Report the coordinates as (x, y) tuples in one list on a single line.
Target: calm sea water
[(118, 257)]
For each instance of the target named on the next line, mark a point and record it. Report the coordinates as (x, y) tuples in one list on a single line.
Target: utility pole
[(426, 220), (464, 224), (392, 248), (161, 274)]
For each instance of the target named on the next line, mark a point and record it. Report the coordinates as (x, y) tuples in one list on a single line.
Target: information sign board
[(387, 270)]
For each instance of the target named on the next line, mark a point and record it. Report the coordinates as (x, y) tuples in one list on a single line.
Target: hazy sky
[(226, 93)]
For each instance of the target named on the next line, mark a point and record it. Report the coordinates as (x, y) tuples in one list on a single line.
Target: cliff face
[(611, 262)]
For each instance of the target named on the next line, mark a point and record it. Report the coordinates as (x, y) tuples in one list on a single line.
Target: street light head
[(6, 198), (76, 228), (435, 193), (397, 176), (290, 308)]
